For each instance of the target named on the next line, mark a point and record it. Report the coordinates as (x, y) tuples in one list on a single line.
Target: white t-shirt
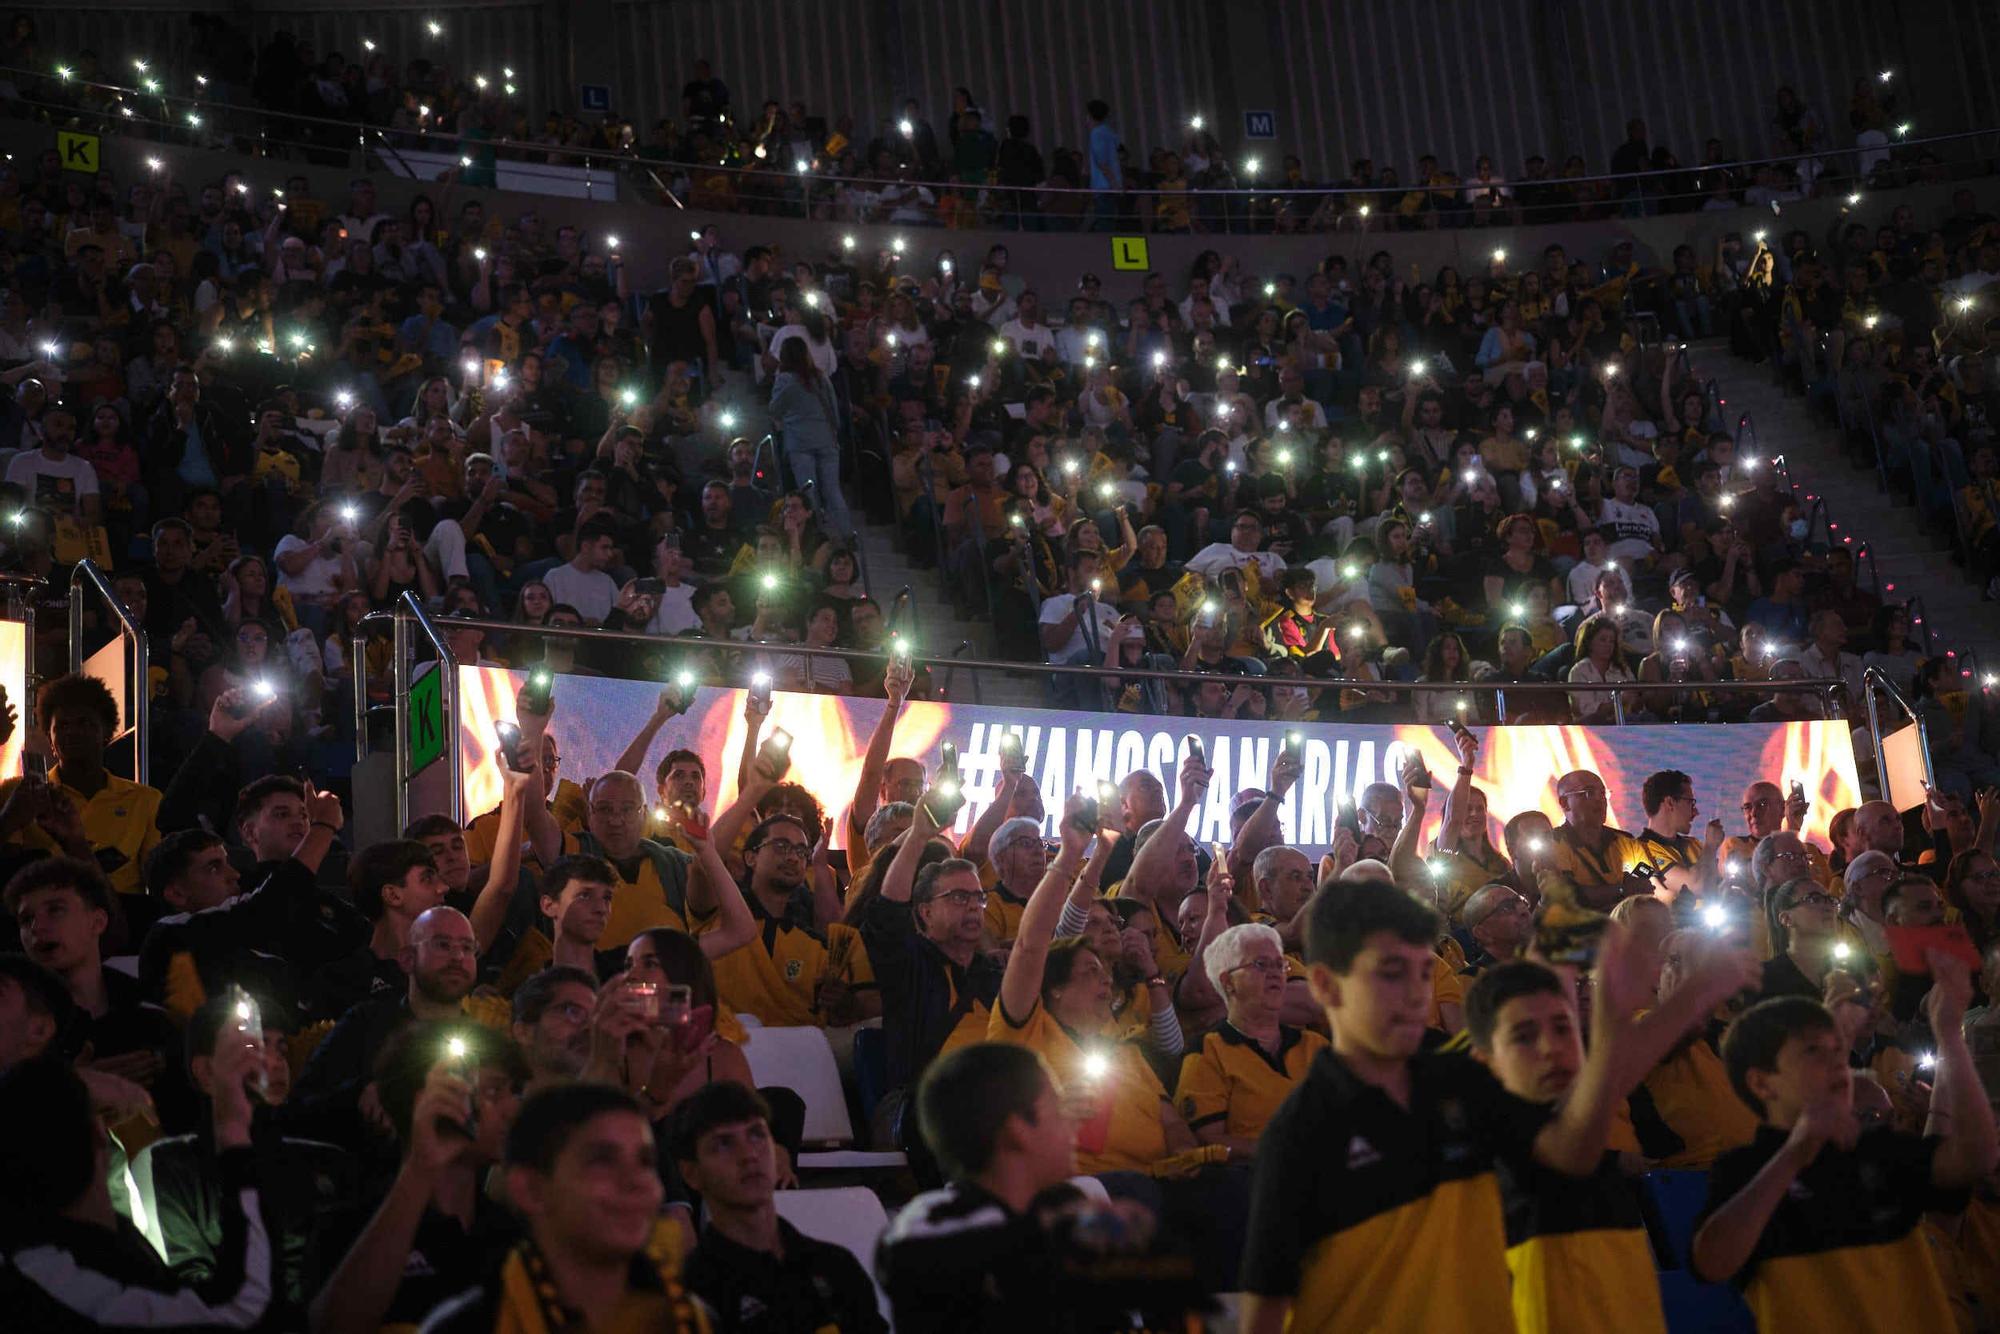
[(1635, 529), (1219, 556), (675, 614), (591, 594), (1056, 608), (318, 579), (55, 484), (1028, 341)]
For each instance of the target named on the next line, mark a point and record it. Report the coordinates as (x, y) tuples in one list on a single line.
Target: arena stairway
[(1912, 561)]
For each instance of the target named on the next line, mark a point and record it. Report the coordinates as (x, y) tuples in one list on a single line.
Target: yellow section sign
[(1129, 252), (78, 151)]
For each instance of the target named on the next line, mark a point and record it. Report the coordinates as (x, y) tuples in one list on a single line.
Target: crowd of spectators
[(965, 165), (494, 1075)]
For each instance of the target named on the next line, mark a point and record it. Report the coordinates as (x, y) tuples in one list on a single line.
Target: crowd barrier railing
[(87, 580)]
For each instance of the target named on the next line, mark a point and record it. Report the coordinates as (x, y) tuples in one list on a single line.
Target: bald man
[(440, 958), (1590, 854), (1766, 811), (653, 886)]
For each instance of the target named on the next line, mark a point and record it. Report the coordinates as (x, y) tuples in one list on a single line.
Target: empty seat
[(850, 1217), (801, 1059)]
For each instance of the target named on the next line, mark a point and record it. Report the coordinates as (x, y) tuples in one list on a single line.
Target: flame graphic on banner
[(596, 718)]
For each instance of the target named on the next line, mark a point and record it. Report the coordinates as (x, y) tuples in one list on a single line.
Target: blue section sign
[(594, 97), (1260, 125)]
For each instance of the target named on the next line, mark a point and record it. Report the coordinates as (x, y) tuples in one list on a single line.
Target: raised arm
[(901, 876), (634, 755), (998, 811), (518, 790), (1623, 1050), (1959, 1113), (1021, 986), (868, 786), (753, 726), (1196, 991), (737, 927), (1459, 794), (1150, 864), (1406, 856), (1262, 830)]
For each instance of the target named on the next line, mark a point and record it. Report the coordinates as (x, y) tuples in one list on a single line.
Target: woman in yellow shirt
[(1056, 998)]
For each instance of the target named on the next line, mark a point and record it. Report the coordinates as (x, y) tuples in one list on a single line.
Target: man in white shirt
[(1581, 583), (1246, 535), (1081, 337), (1823, 658), (1026, 331), (675, 614), (1614, 601), (1291, 400), (54, 478), (1634, 528), (582, 582), (1076, 625)]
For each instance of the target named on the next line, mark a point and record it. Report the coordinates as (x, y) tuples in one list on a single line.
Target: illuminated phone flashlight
[(628, 397), (1093, 338), (1611, 565), (769, 581), (1221, 364), (1358, 463), (1927, 1061), (998, 347), (896, 245), (945, 263), (479, 253), (1556, 485), (479, 81), (726, 419), (1538, 845), (1250, 166), (1270, 289), (1159, 360), (906, 127), (1530, 433), (1209, 607), (455, 1048), (812, 300), (263, 690), (350, 513), (1097, 586), (1096, 1065), (1423, 520), (1902, 129), (900, 644), (153, 164), (1106, 490), (343, 400), (244, 1009), (1750, 464), (1499, 256), (1965, 303), (1284, 458), (1714, 917), (298, 338), (224, 345), (1357, 632), (499, 379), (1611, 370), (1841, 949), (1516, 610), (1350, 571), (1758, 237), (49, 349), (611, 242), (471, 367), (1680, 646), (972, 380), (423, 110), (1382, 456), (1618, 609), (1438, 869), (1017, 521), (1726, 501), (1868, 321), (761, 680), (1470, 477), (1284, 423), (1071, 466), (1229, 466), (949, 787), (1735, 867), (1195, 122)]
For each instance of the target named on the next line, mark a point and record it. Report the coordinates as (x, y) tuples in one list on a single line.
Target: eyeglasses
[(962, 898), (784, 847), (1580, 792), (1266, 966), (1812, 899)]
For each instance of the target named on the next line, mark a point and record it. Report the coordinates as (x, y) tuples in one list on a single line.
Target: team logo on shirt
[(1360, 1154), (793, 968)]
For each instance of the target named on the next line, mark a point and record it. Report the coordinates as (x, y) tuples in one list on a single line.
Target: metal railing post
[(87, 576), (447, 694), (357, 662), (400, 675)]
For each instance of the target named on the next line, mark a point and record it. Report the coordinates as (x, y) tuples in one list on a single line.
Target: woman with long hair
[(807, 413), (356, 453), (1599, 658), (1445, 660)]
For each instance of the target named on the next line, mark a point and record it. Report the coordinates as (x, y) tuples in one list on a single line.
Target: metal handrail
[(614, 160), (87, 577), (409, 610), (1873, 679), (948, 661)]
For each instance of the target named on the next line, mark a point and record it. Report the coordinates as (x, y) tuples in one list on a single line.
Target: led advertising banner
[(597, 717)]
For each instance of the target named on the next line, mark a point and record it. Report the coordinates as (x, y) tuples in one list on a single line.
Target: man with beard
[(551, 1024), (792, 972), (441, 961)]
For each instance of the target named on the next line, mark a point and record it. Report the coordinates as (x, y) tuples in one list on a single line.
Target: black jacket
[(309, 1207), (917, 983), (62, 1276), (815, 1286)]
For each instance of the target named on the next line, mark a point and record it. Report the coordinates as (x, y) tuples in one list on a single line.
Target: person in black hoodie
[(71, 1262)]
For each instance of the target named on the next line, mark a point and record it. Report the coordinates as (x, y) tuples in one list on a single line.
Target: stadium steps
[(1917, 561), (939, 628)]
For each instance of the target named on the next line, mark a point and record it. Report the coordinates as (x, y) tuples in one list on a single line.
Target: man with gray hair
[(1284, 879), (1866, 879), (1779, 857), (1019, 858), (1141, 798), (886, 825)]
